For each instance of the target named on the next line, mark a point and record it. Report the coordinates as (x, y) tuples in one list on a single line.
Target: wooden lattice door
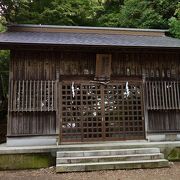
[(91, 111)]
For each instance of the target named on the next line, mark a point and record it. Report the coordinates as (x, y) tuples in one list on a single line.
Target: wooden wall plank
[(33, 123), (163, 96), (166, 121)]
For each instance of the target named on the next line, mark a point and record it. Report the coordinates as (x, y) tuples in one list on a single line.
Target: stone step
[(107, 152), (112, 165), (132, 157), (131, 144)]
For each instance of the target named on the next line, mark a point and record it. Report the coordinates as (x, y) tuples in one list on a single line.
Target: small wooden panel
[(103, 67)]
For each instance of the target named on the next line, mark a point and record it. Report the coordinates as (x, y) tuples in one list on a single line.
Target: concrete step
[(129, 157), (106, 145), (108, 152), (158, 163)]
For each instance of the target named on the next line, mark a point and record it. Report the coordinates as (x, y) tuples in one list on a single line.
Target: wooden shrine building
[(83, 84)]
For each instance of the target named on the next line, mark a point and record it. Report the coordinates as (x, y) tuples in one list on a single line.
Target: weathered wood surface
[(164, 121), (162, 95), (152, 66), (35, 65), (32, 123), (43, 66), (103, 66), (33, 72), (31, 96)]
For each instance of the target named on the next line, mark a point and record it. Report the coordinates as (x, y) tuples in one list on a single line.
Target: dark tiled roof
[(87, 39)]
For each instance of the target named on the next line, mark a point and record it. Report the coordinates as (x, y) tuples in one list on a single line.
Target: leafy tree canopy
[(138, 13), (174, 23), (117, 13)]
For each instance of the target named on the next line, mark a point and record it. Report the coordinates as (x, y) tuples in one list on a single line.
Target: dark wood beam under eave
[(87, 48)]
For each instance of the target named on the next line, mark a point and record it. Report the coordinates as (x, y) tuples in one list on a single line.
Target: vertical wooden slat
[(12, 97), (153, 96), (41, 103), (178, 94), (34, 95), (19, 96), (57, 92), (175, 95), (168, 95), (147, 95), (37, 101), (30, 98), (45, 98), (26, 95), (156, 95), (15, 96), (49, 94), (150, 94), (160, 95), (22, 95), (165, 93), (52, 98), (172, 95)]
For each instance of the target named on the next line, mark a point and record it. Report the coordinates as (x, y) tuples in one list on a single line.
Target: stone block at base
[(26, 161)]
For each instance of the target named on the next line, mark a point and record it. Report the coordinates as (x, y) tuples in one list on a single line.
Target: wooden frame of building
[(83, 84)]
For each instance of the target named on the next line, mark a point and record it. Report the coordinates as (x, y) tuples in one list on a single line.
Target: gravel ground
[(172, 173)]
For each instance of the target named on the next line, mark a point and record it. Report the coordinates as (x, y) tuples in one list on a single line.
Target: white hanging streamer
[(127, 89), (72, 88)]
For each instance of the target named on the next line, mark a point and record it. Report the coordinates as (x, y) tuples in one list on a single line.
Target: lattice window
[(33, 96), (81, 112), (92, 111), (163, 95), (124, 111), (71, 111)]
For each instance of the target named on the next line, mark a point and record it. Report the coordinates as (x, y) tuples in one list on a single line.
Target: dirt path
[(172, 173)]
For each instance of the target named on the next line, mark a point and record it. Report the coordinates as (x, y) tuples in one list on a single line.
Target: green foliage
[(10, 8), (165, 8), (69, 12), (118, 13), (174, 23), (108, 14), (2, 24), (60, 12), (138, 13), (4, 76), (4, 60)]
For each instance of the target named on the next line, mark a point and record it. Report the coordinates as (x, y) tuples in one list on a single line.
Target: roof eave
[(8, 45)]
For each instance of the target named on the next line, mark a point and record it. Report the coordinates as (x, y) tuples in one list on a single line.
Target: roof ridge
[(85, 29)]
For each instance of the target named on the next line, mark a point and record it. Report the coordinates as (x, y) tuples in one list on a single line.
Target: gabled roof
[(86, 36)]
